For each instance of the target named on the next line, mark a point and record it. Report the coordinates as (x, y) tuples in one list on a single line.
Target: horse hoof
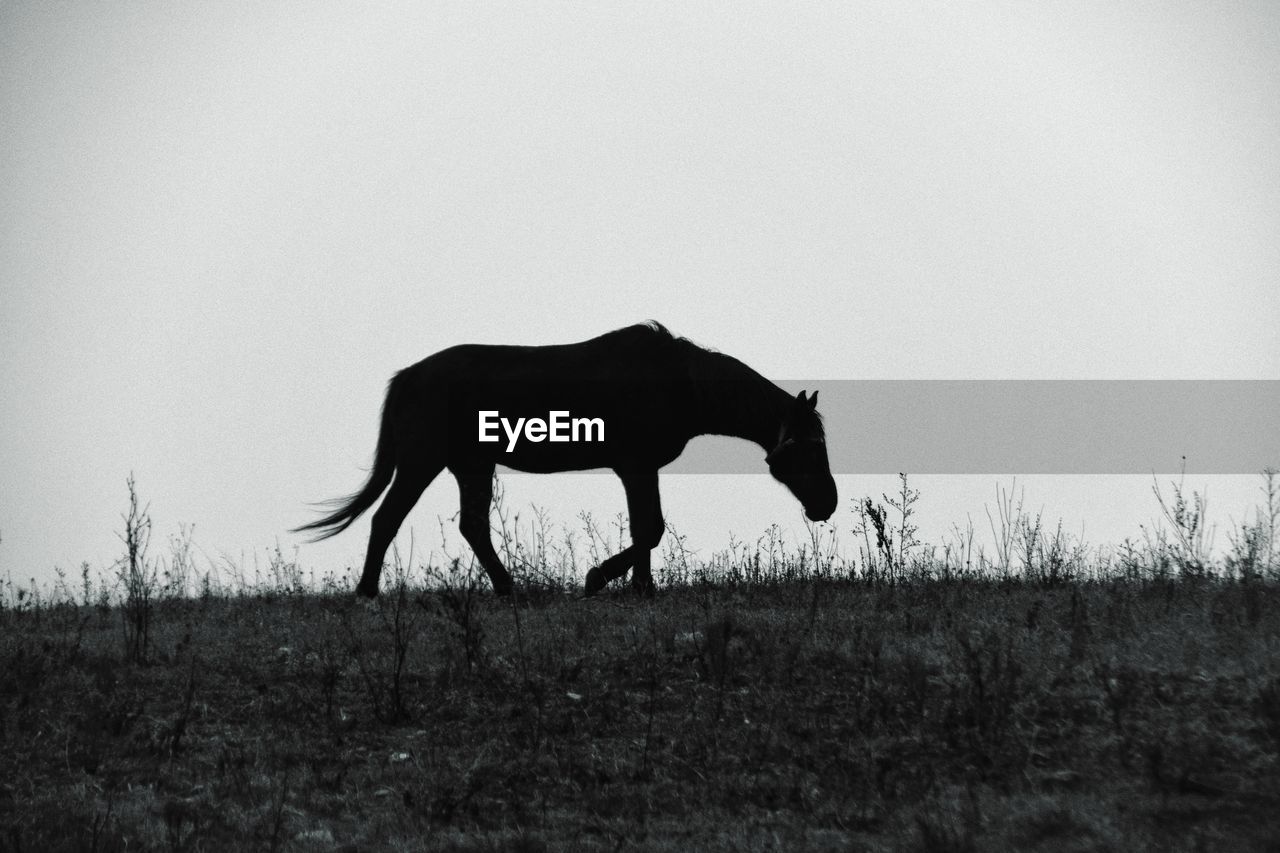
[(367, 590), (503, 590), (595, 582)]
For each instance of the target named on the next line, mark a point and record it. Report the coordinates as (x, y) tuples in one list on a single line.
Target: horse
[(649, 392)]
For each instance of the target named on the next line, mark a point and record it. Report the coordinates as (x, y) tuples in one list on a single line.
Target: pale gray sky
[(223, 226)]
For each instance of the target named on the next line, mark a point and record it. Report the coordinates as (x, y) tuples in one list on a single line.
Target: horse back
[(638, 385)]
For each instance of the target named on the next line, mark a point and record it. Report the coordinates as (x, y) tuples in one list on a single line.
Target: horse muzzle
[(819, 514)]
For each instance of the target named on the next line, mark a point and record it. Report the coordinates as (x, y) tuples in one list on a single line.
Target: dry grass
[(819, 715), (763, 701)]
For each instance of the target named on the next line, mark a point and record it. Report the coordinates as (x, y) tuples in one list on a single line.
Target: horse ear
[(801, 399), (813, 400)]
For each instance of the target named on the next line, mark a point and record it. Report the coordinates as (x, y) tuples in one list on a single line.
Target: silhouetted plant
[(904, 502), (1006, 532), (675, 567), (138, 576), (180, 566), (893, 548), (877, 559), (1191, 540), (1253, 547), (286, 574)]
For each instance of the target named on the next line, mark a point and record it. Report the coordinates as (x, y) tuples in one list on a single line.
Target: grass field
[(766, 700)]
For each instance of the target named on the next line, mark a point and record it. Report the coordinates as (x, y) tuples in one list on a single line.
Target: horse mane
[(653, 339), (646, 333), (732, 395), (727, 392)]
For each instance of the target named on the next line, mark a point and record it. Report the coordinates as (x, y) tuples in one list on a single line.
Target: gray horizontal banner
[(1028, 427)]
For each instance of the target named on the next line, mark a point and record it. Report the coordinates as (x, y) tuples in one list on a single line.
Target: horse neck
[(732, 399)]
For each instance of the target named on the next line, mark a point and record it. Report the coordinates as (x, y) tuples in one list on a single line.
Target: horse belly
[(544, 458)]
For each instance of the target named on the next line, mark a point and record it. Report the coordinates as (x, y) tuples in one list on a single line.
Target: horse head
[(799, 460)]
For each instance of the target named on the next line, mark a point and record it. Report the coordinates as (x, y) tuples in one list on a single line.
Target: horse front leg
[(613, 567), (645, 510)]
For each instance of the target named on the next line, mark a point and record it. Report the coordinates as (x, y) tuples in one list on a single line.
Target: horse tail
[(347, 510)]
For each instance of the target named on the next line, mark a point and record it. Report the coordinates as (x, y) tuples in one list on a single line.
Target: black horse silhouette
[(652, 392)]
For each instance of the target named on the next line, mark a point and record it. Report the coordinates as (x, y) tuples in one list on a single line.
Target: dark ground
[(819, 715)]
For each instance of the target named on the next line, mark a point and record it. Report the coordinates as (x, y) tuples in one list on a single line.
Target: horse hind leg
[(475, 494), (408, 486)]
